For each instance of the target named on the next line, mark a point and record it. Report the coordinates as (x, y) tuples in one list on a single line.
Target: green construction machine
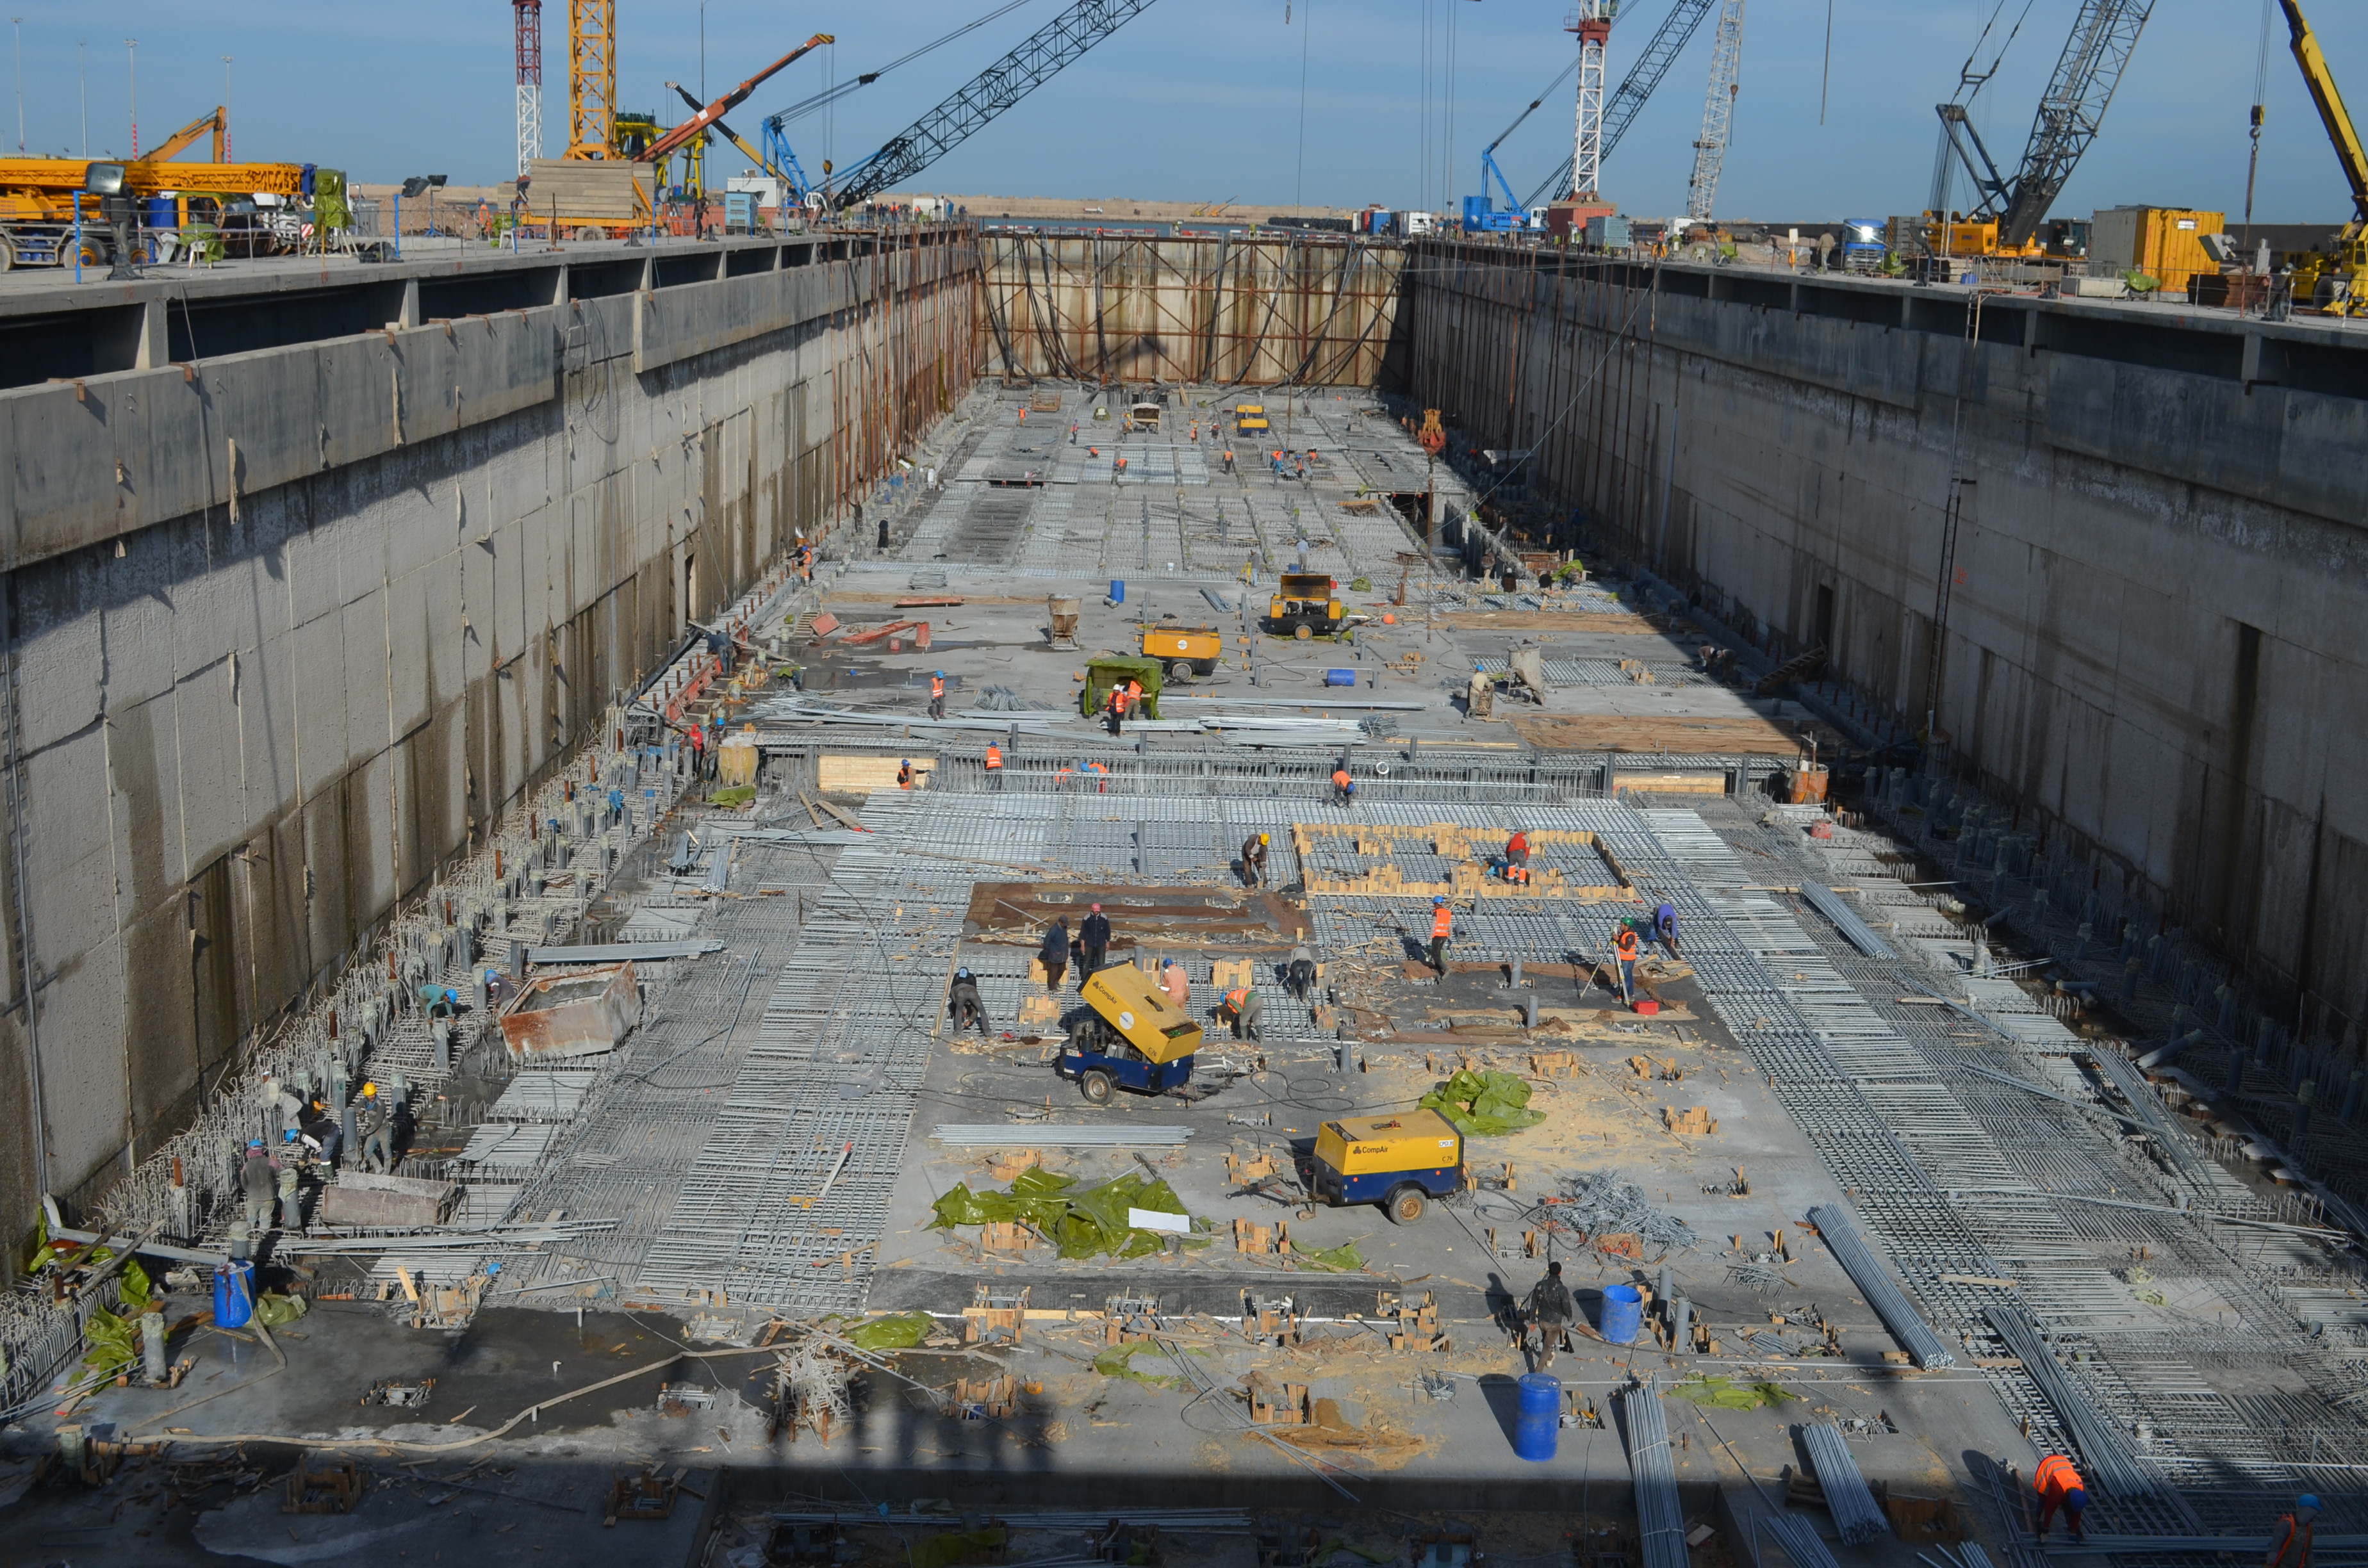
[(1104, 671)]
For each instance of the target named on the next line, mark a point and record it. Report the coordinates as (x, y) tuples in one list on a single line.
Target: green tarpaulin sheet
[(1484, 1105)]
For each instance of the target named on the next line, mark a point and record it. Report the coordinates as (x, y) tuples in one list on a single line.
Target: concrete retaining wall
[(2160, 568), (1222, 310), (290, 626)]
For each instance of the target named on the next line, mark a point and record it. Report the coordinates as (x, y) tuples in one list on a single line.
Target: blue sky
[(1202, 99)]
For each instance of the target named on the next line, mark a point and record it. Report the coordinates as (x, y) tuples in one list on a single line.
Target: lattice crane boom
[(1718, 111), (976, 102), (2071, 110), (1621, 107), (591, 78), (527, 24)]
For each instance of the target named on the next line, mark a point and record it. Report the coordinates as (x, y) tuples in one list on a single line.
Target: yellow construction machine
[(2333, 280)]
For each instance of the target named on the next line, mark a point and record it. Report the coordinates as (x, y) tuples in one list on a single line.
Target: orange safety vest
[(1234, 998), (994, 756), (1134, 691), (1118, 700), (2055, 1474), (1340, 778), (1518, 845), (937, 687), (1626, 946), (1443, 921)]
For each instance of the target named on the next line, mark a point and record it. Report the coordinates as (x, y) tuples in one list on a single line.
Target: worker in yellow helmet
[(1253, 859), (375, 1123)]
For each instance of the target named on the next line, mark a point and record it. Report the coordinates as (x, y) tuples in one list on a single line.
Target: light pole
[(132, 66), (82, 81), (226, 156), (19, 23)]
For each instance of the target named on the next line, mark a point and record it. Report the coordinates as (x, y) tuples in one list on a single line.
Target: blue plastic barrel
[(1340, 677), (1540, 1415), (1623, 1312), (1117, 590), (234, 1295), (164, 212)]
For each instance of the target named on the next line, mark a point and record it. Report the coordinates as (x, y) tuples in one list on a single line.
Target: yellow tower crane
[(591, 78)]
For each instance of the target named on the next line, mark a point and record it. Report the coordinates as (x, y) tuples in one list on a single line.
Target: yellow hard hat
[(1262, 838), (370, 1091)]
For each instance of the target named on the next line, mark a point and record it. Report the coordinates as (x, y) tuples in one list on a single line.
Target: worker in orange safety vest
[(938, 694), (2060, 1487), (1242, 1008), (1344, 789), (1443, 926), (904, 774), (1624, 946), (993, 766), (2290, 1546)]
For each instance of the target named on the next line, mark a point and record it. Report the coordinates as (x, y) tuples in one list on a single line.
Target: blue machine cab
[(1399, 1162)]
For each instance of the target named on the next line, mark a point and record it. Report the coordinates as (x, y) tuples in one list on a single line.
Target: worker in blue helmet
[(936, 694), (1443, 926), (1480, 696), (2290, 1545), (963, 1002), (904, 774)]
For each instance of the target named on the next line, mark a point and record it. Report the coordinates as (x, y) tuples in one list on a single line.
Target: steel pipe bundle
[(1081, 1135), (1866, 1271), (2105, 1454), (1660, 1520), (1856, 1516), (1795, 1537)]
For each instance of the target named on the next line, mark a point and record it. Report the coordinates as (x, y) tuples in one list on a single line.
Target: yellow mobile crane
[(2335, 281)]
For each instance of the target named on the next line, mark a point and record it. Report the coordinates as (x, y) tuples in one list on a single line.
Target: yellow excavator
[(2335, 281)]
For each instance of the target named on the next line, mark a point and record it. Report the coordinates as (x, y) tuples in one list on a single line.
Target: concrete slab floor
[(1081, 1437)]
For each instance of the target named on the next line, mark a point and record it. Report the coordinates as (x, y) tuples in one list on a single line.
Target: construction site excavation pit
[(707, 1229)]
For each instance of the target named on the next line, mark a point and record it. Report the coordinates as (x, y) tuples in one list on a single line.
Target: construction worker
[(1133, 694), (2290, 1546), (1443, 926), (1054, 955), (1344, 789), (258, 1184), (994, 766), (322, 1131), (1229, 459), (2060, 1487), (1548, 1311), (291, 1203), (1825, 243), (377, 1129), (1480, 696), (1665, 926), (1093, 940), (1254, 860), (438, 1001), (1300, 974), (1623, 947), (1117, 709), (904, 774), (698, 751), (962, 1004), (1178, 984), (1073, 432), (1243, 1008), (936, 694), (1517, 848)]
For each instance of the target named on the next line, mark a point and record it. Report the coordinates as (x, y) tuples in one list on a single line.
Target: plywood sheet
[(1625, 732), (582, 189), (861, 775)]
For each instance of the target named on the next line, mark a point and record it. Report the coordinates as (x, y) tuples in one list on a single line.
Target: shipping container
[(2164, 242)]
